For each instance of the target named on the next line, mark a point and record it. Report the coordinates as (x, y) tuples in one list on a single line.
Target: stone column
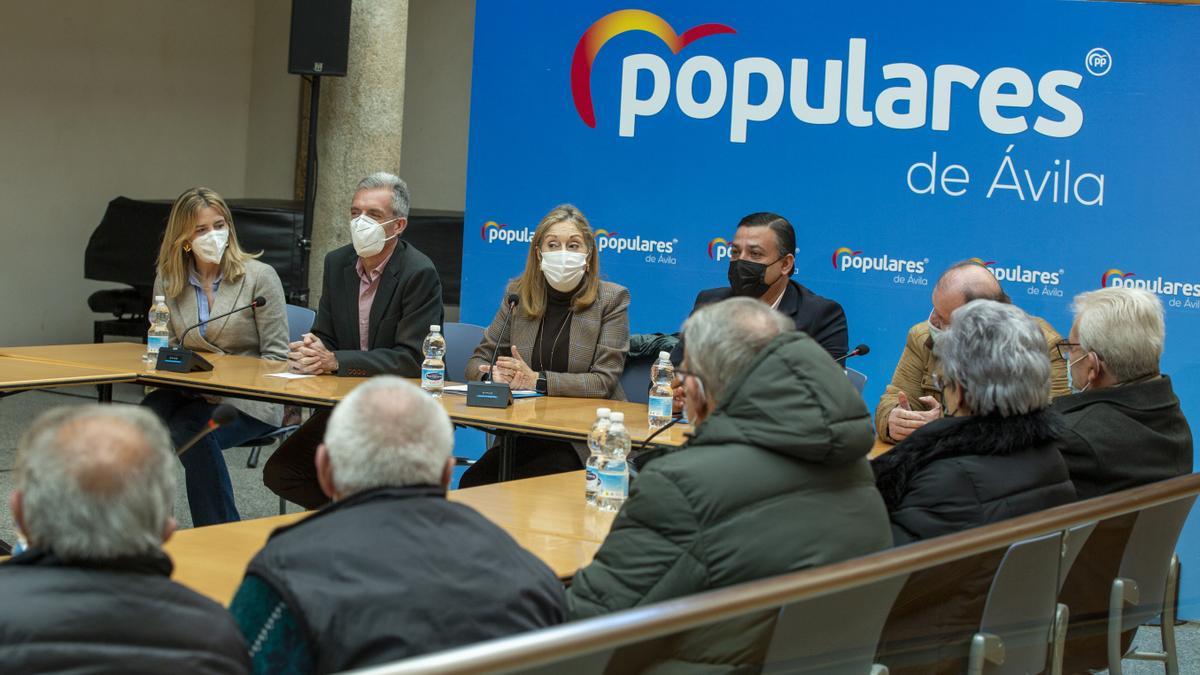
[(360, 123)]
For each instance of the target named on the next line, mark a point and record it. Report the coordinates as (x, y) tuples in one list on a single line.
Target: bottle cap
[(618, 417), (603, 412), (664, 355), (435, 328)]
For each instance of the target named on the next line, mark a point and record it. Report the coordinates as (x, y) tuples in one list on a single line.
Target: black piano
[(124, 247)]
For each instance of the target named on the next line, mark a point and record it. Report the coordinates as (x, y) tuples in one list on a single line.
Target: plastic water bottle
[(662, 374), (596, 439), (613, 468), (433, 368), (159, 335)]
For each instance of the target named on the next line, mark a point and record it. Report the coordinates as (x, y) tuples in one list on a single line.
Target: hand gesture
[(903, 420)]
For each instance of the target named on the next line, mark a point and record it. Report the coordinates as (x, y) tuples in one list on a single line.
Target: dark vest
[(397, 572), (122, 616)]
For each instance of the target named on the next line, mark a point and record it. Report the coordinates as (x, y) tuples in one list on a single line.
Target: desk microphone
[(512, 302), (492, 394), (254, 304), (861, 350), (182, 360), (221, 415)]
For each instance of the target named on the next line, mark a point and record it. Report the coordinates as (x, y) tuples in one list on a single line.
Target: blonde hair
[(174, 261), (531, 285), (1124, 326)]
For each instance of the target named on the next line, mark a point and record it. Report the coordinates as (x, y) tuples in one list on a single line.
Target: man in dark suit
[(379, 297), (761, 266)]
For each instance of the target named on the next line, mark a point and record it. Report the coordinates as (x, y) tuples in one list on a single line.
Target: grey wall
[(437, 99), (142, 98)]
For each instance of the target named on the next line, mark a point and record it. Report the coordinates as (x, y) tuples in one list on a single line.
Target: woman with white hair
[(995, 455)]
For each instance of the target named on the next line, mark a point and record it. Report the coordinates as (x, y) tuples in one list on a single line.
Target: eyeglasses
[(1064, 349)]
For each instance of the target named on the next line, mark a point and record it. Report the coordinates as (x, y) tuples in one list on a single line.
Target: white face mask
[(210, 246), (563, 269), (368, 236)]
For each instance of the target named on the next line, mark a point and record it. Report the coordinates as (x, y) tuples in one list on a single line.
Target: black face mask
[(747, 278)]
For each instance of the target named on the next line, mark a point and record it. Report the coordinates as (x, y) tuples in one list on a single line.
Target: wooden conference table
[(546, 515), (245, 377), (19, 374)]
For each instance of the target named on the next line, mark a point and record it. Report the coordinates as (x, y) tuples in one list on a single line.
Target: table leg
[(508, 451), (104, 393)]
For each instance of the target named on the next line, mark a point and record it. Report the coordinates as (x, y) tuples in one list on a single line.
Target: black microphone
[(512, 302), (639, 455), (221, 415), (861, 350), (254, 304), (180, 359), (493, 394)]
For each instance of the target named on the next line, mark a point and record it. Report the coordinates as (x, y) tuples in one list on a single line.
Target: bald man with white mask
[(95, 490), (911, 401)]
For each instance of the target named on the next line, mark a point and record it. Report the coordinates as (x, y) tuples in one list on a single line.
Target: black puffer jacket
[(962, 472), (948, 476), (118, 616)]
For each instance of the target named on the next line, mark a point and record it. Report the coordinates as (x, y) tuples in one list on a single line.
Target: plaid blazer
[(260, 332), (599, 340)]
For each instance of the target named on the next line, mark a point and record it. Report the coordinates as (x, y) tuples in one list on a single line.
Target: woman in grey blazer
[(203, 272), (568, 336)]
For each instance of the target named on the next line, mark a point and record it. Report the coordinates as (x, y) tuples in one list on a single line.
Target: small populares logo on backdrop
[(981, 261), (1106, 279), (603, 233), (718, 249), (492, 232), (612, 25), (838, 255)]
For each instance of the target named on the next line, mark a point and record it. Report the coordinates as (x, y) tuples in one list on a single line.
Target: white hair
[(97, 482), (1124, 326), (721, 339), (997, 355), (388, 432), (383, 179)]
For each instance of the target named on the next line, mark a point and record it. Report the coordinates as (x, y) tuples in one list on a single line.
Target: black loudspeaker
[(320, 40)]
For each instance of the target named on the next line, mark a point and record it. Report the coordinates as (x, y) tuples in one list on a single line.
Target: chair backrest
[(461, 341), (834, 633), (635, 379), (1021, 603), (1147, 557), (859, 380), (1073, 541), (300, 321)]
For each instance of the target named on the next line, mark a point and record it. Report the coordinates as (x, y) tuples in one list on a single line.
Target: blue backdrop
[(1056, 141)]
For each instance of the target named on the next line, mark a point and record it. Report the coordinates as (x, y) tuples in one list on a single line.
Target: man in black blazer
[(761, 265), (379, 297)]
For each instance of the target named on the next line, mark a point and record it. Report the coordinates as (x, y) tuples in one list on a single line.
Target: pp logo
[(1098, 62)]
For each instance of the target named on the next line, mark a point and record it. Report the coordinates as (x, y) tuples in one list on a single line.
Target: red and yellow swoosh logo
[(489, 224), (843, 251), (981, 261), (604, 233), (612, 25), (719, 241), (1107, 277)]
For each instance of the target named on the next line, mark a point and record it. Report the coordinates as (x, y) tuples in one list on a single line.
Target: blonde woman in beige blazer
[(203, 273), (568, 336)]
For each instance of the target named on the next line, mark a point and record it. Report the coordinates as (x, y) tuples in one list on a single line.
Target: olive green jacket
[(914, 373), (773, 481)]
